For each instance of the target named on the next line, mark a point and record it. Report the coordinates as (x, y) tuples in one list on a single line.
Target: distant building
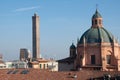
[(44, 64), (9, 64), (67, 64), (24, 54), (19, 64), (2, 65), (52, 65), (35, 37), (16, 64)]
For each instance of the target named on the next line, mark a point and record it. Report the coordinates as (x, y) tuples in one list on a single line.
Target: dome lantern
[(97, 33), (96, 20)]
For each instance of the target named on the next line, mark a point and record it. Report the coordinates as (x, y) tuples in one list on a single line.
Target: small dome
[(96, 15), (97, 35), (72, 46)]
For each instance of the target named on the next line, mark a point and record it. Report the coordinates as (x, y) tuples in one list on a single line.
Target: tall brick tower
[(35, 36)]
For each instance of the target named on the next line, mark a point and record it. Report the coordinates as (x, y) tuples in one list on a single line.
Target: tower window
[(96, 22), (108, 58), (92, 59), (100, 21)]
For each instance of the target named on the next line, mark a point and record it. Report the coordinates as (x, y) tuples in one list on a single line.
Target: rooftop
[(37, 74)]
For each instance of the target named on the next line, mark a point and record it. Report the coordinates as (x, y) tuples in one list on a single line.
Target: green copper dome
[(96, 35), (96, 15)]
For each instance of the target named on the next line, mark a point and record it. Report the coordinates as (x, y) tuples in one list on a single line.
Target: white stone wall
[(53, 66), (50, 65), (8, 64)]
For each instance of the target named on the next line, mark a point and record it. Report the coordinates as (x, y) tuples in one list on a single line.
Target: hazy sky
[(61, 23)]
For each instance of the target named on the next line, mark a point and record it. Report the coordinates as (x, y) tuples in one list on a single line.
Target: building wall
[(92, 51), (113, 51), (118, 61), (9, 65), (65, 66), (35, 66), (44, 64), (24, 54), (52, 66), (101, 51), (16, 64), (86, 52)]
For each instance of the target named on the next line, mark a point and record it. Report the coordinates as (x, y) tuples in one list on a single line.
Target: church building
[(97, 48)]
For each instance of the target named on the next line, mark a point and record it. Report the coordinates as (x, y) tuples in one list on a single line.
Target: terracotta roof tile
[(37, 74)]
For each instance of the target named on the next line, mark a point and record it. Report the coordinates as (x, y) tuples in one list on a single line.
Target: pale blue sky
[(61, 22)]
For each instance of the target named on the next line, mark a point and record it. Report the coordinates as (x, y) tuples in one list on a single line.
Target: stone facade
[(101, 52)]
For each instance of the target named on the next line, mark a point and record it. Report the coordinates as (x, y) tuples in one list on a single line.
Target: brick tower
[(35, 36)]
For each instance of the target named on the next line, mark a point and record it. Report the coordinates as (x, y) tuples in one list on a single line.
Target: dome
[(97, 35), (72, 46), (96, 15)]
